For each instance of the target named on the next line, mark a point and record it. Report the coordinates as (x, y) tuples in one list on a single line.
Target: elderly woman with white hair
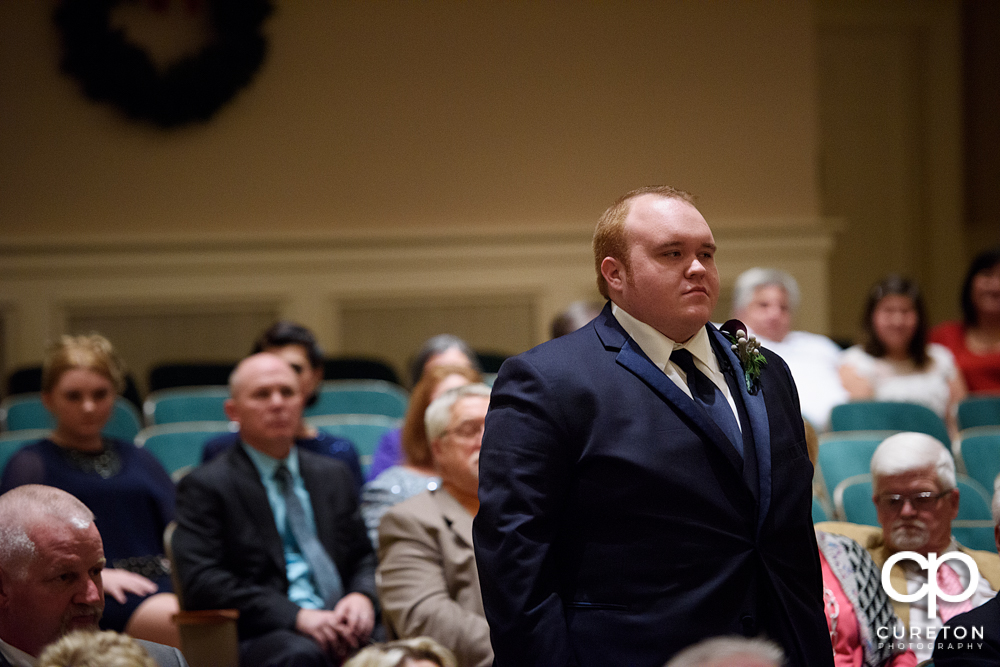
[(765, 300)]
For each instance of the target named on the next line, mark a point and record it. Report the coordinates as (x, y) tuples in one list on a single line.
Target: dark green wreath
[(114, 70)]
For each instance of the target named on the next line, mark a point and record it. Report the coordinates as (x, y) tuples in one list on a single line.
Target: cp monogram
[(930, 564)]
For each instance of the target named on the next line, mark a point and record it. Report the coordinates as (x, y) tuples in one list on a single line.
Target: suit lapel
[(756, 410), (251, 492), (632, 358), (457, 518)]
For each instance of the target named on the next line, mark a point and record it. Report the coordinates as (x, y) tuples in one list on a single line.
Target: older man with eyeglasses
[(915, 494)]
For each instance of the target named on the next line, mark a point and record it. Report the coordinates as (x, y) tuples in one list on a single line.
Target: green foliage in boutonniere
[(747, 349)]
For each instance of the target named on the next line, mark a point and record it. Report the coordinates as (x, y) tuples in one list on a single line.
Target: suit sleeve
[(524, 473), (209, 575), (415, 596)]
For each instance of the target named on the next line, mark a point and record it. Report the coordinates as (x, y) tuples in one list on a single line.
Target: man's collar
[(659, 347), (16, 657), (268, 465)]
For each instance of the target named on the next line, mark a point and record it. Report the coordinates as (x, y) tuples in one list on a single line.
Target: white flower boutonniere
[(747, 349)]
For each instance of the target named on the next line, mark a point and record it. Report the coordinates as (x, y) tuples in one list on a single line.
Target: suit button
[(749, 626)]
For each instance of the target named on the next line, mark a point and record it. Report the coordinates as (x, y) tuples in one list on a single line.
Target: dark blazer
[(228, 551), (971, 651), (617, 522)]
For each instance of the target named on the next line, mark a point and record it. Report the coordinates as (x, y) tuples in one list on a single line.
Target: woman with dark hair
[(297, 345), (895, 362), (975, 341), (129, 492)]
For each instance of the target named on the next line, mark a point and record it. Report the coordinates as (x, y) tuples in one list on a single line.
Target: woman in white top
[(895, 362)]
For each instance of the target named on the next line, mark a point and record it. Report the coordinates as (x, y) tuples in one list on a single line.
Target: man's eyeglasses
[(924, 500), (467, 430)]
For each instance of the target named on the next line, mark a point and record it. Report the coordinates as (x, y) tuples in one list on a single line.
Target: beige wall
[(431, 158)]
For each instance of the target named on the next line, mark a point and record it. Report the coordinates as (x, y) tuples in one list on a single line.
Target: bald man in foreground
[(51, 558), (274, 531)]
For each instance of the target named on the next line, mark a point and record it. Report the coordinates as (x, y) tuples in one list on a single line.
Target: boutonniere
[(747, 349)]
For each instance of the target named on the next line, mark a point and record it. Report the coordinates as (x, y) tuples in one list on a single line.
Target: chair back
[(358, 368), (979, 411), (888, 416), (186, 404), (26, 411), (977, 453), (364, 431), (360, 397), (844, 454), (178, 446), (818, 511)]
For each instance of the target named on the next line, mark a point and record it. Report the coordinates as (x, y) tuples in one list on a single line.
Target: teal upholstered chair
[(360, 397), (888, 416)]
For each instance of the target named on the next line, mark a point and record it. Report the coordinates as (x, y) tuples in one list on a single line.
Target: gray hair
[(751, 280), (398, 653), (724, 651), (21, 509), (438, 413), (906, 452)]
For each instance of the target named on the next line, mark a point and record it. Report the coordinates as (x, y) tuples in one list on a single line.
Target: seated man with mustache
[(51, 558), (914, 491)]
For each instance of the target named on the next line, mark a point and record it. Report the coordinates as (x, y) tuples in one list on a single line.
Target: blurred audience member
[(51, 559), (985, 651), (84, 648), (428, 583), (914, 491), (416, 652), (575, 316), (273, 531), (416, 472), (297, 345), (125, 487), (440, 350), (765, 300), (895, 362), (730, 652), (975, 341)]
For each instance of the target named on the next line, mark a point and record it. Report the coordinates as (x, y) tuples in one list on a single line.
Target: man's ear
[(614, 273), (230, 407), (953, 497), (996, 536)]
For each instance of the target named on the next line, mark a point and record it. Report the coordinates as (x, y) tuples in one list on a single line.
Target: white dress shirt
[(659, 348), (16, 656)]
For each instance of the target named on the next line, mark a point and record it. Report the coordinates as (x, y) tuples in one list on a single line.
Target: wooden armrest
[(205, 617)]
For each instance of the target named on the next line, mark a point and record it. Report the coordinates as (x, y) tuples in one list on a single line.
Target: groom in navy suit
[(636, 495)]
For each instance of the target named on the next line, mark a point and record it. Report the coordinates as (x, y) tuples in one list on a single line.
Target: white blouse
[(902, 381)]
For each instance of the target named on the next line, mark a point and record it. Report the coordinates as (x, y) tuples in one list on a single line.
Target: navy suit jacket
[(969, 651), (227, 549), (617, 523)]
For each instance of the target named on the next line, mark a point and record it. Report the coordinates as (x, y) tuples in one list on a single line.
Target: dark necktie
[(324, 572), (706, 394)]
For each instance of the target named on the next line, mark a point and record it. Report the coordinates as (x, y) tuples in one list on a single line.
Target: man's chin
[(85, 621), (911, 539)]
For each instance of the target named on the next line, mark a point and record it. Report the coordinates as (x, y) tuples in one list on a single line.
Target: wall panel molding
[(49, 283)]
